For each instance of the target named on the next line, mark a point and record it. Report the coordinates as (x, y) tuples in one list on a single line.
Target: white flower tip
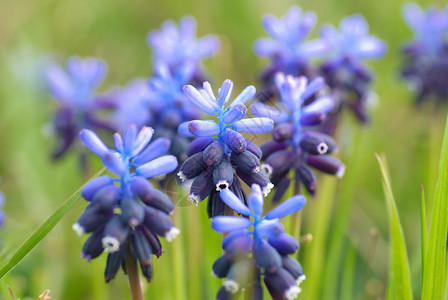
[(133, 222), (182, 176), (78, 229), (300, 279), (222, 185), (171, 235), (231, 286), (292, 292), (341, 171), (256, 169), (214, 274), (194, 199), (110, 244), (267, 169), (267, 189), (322, 148)]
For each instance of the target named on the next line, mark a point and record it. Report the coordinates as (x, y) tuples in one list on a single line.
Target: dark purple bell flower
[(126, 213), (257, 246)]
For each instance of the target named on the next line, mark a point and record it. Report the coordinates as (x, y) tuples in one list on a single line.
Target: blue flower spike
[(295, 146), (74, 88), (220, 148), (425, 62), (2, 214), (257, 246), (118, 221), (344, 68)]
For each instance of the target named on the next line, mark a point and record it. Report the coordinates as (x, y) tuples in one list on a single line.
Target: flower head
[(176, 45), (294, 145), (118, 221), (74, 89), (220, 147), (256, 245), (287, 46)]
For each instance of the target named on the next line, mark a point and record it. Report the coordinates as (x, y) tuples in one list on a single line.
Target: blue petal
[(113, 162), (233, 235), (93, 142), (118, 142), (263, 110), (208, 89), (129, 138), (268, 228), (234, 202), (288, 207), (158, 166), (225, 92), (321, 105), (256, 200), (159, 147), (90, 188), (255, 125), (195, 96), (235, 113), (203, 128), (244, 96), (143, 138), (313, 87), (59, 84), (229, 223), (183, 129), (371, 47)]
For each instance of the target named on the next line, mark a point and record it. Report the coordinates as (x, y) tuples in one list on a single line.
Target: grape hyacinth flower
[(2, 214), (257, 246), (287, 47), (220, 147), (294, 145), (344, 69), (425, 63), (176, 45), (74, 90), (118, 222)]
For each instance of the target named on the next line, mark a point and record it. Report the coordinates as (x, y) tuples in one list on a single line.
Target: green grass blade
[(435, 258), (43, 230), (348, 275), (423, 229), (399, 273)]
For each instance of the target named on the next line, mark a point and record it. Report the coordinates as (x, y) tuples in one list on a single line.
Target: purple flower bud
[(153, 240), (278, 164), (294, 268), (224, 92), (246, 162), (280, 189), (223, 175), (195, 96), (141, 248), (267, 228), (270, 147), (313, 87), (327, 164), (107, 197), (328, 140), (263, 110), (93, 142), (157, 148), (254, 125), (234, 202), (198, 145), (203, 128), (284, 243), (129, 138), (112, 161), (281, 285), (184, 129), (313, 145), (221, 266), (202, 187), (252, 147), (312, 119), (229, 238), (229, 223), (290, 206), (256, 200), (89, 190), (160, 223), (150, 196), (235, 140), (192, 167), (244, 96), (114, 261), (159, 166), (256, 178), (115, 233), (132, 211), (93, 247), (147, 272), (91, 219), (320, 105), (283, 132), (213, 154), (267, 257), (235, 113), (223, 294), (307, 177)]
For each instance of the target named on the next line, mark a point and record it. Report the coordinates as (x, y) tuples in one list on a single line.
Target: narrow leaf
[(399, 273), (423, 228), (435, 257), (43, 230)]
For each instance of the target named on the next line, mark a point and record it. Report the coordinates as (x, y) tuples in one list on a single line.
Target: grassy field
[(348, 257)]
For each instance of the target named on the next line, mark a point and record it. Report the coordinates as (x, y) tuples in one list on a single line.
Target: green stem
[(133, 277)]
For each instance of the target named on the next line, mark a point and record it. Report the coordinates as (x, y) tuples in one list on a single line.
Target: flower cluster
[(294, 145), (426, 56), (262, 250), (74, 89), (118, 221), (175, 46), (287, 48), (344, 69), (220, 147)]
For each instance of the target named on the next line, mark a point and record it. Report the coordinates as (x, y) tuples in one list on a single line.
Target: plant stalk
[(133, 277)]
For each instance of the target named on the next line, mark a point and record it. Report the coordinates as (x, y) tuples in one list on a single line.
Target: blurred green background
[(352, 211)]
